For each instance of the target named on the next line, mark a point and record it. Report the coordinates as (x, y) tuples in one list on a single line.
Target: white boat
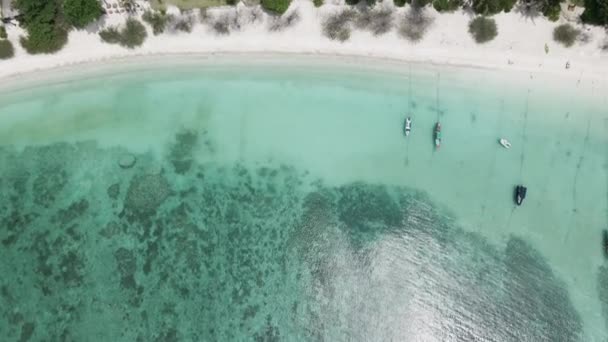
[(408, 126), (505, 143)]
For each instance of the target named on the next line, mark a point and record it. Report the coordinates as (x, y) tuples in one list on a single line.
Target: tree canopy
[(80, 13), (41, 18), (596, 12), (275, 6)]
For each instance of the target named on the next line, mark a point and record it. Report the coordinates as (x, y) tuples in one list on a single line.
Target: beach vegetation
[(284, 21), (566, 34), (338, 25), (224, 23), (275, 6), (3, 34), (132, 35), (377, 21), (221, 25), (415, 23), (183, 24), (483, 29), (110, 35), (190, 4), (317, 3), (552, 11), (157, 19), (414, 3), (507, 5), (46, 31), (80, 13), (231, 20), (596, 12), (6, 49), (486, 7), (447, 5), (44, 38)]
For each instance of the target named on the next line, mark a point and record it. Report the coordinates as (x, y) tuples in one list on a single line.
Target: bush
[(275, 6), (6, 49), (507, 5), (110, 35), (486, 7), (42, 20), (317, 3), (43, 38), (131, 36), (483, 29), (80, 13), (377, 21), (447, 5), (596, 12), (414, 24), (3, 34), (604, 45), (552, 12), (566, 34), (284, 21), (158, 21), (183, 24), (337, 26)]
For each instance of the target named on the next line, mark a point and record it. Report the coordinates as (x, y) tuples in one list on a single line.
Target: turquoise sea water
[(276, 201)]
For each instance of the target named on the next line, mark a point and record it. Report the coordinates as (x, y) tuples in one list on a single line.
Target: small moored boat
[(605, 242), (408, 126), (505, 143), (520, 194), (438, 135)]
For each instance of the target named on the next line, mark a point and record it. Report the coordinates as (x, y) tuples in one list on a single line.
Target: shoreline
[(113, 65), (518, 46)]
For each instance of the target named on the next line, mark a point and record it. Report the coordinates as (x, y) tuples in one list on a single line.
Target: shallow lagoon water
[(281, 201)]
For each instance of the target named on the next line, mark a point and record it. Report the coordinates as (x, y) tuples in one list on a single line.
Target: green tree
[(483, 29), (44, 38), (80, 13), (158, 20), (6, 49), (507, 5), (46, 31), (487, 7), (110, 35), (447, 5), (566, 34), (134, 34), (596, 12), (3, 34), (275, 6)]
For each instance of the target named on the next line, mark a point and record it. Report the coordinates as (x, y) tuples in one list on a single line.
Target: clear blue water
[(261, 200)]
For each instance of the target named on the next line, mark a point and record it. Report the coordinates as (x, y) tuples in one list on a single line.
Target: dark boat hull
[(520, 194), (605, 242)]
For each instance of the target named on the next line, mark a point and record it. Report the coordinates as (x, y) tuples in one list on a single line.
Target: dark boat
[(520, 194), (605, 242), (438, 135)]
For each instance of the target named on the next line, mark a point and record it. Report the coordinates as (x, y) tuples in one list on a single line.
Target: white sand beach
[(520, 44)]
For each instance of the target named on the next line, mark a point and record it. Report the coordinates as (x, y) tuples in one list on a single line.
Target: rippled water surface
[(261, 201)]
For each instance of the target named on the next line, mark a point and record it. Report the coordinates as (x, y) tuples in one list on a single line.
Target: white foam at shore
[(520, 44)]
